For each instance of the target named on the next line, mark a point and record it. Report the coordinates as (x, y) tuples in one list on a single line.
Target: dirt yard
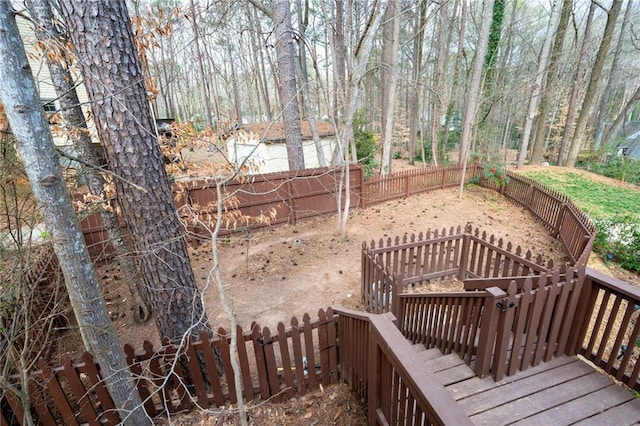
[(278, 273)]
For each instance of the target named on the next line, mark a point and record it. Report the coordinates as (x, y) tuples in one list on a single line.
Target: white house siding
[(272, 156)]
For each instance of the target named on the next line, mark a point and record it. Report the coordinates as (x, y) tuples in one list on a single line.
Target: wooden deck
[(566, 390)]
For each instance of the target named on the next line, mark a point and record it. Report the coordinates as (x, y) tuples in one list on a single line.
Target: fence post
[(488, 329), (373, 378), (444, 174), (407, 182), (560, 218), (292, 217), (363, 192), (464, 255), (530, 196)]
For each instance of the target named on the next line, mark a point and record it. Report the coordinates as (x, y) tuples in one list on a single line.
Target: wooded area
[(437, 82)]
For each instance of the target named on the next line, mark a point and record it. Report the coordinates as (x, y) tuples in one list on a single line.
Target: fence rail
[(285, 362), (380, 366), (607, 327)]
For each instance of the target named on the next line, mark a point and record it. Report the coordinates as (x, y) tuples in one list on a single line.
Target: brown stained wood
[(195, 373), (323, 346), (272, 367), (286, 361), (598, 323), (521, 388), (178, 374), (566, 288), (297, 355), (99, 387), (261, 366), (332, 346), (141, 382), (505, 322), (534, 320), (222, 344), (546, 320), (79, 392), (59, 398), (627, 413), (309, 352), (543, 400), (580, 409), (522, 313), (45, 416), (16, 406), (212, 371), (157, 374)]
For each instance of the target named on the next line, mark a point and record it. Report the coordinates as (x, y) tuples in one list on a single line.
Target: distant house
[(262, 147), (630, 145)]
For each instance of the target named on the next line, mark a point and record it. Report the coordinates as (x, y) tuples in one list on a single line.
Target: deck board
[(563, 391)]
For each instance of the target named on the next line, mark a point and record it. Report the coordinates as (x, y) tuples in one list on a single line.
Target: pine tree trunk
[(391, 35), (35, 146), (287, 83), (62, 81), (116, 89)]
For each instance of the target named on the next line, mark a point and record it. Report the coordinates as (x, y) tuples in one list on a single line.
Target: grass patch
[(614, 210), (598, 199)]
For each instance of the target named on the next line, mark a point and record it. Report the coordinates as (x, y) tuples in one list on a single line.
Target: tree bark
[(49, 34), (474, 89), (552, 78), (391, 35), (579, 135), (107, 57), (287, 83), (206, 104), (575, 86), (35, 146), (537, 86), (416, 71), (608, 90)]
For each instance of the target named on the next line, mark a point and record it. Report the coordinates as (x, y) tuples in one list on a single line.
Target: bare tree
[(123, 119), (552, 79), (391, 42), (537, 85), (35, 146), (47, 32), (473, 95), (416, 72), (579, 135)]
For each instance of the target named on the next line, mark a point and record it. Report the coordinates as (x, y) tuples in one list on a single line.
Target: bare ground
[(278, 273)]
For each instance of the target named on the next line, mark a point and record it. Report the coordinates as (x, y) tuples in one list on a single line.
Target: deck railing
[(607, 327), (380, 364)]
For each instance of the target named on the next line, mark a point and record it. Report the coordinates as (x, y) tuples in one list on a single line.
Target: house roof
[(274, 131)]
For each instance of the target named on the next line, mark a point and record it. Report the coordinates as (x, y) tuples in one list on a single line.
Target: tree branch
[(102, 169)]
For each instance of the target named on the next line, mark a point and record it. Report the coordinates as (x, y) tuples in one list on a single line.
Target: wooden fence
[(505, 331), (379, 365), (285, 362), (389, 266), (608, 327)]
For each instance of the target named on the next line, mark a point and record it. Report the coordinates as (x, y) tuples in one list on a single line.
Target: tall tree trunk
[(35, 146), (125, 126), (622, 115), (537, 85), (48, 33), (489, 71), (391, 35), (206, 103), (416, 72), (575, 87), (579, 136), (474, 89), (549, 93), (613, 74), (287, 83), (303, 22), (439, 78)]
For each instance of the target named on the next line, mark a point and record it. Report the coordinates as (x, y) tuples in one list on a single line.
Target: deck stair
[(563, 391)]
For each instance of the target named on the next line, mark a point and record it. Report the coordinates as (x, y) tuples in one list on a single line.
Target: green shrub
[(366, 144), (618, 240), (621, 168)]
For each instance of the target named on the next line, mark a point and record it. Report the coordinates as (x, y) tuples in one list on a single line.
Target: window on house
[(49, 106)]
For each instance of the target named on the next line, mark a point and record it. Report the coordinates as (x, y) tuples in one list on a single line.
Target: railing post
[(464, 256), (488, 329), (373, 379), (444, 174)]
